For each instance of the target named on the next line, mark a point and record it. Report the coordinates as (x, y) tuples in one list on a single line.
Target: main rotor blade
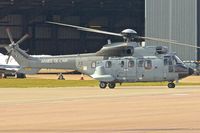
[(22, 39), (9, 35), (169, 41), (86, 29)]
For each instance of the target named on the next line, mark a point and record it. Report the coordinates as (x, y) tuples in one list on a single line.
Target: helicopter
[(114, 63)]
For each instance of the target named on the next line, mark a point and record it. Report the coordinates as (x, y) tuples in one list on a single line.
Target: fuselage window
[(108, 64), (93, 65), (131, 64), (122, 63), (140, 63), (148, 64)]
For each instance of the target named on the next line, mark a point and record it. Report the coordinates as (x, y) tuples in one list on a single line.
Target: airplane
[(118, 62), (9, 68)]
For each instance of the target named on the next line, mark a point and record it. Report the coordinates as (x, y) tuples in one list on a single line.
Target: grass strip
[(30, 83)]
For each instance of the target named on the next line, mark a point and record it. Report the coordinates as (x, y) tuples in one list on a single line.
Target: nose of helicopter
[(190, 71), (187, 73)]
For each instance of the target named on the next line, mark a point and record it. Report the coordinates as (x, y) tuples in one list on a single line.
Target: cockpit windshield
[(177, 60)]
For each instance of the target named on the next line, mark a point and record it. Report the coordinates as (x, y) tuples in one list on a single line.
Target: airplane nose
[(190, 71)]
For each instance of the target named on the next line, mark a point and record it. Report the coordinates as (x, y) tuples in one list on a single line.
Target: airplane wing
[(3, 70), (8, 69)]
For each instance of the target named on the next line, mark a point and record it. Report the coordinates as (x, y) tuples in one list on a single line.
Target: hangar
[(29, 16), (175, 20)]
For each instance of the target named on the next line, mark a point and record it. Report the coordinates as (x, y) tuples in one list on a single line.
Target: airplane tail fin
[(23, 59)]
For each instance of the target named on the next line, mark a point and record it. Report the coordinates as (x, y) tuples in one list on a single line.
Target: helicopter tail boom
[(22, 58)]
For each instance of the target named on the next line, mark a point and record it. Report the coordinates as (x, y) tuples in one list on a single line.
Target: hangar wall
[(174, 20), (29, 16)]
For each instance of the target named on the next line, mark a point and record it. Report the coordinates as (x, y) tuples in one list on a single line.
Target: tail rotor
[(12, 44)]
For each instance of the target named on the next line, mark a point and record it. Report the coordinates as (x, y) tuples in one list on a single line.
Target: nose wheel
[(171, 85)]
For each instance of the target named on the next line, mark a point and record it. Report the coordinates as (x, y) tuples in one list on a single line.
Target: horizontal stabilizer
[(28, 70)]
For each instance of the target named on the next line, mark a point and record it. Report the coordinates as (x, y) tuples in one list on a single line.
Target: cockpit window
[(168, 60), (177, 60), (171, 60)]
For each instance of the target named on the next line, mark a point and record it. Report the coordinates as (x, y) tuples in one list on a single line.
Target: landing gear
[(111, 85), (102, 85), (171, 85)]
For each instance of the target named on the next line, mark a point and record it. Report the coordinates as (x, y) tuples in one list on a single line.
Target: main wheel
[(102, 85), (171, 85), (111, 85)]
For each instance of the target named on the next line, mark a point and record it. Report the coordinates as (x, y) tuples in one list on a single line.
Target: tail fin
[(23, 59)]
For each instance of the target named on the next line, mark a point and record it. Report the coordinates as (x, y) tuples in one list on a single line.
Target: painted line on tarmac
[(180, 94)]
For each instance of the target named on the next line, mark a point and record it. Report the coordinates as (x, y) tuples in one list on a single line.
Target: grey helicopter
[(119, 62)]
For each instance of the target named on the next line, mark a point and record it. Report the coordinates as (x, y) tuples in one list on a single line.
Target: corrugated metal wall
[(175, 20)]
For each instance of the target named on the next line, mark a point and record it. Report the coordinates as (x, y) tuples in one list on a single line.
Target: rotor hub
[(129, 34)]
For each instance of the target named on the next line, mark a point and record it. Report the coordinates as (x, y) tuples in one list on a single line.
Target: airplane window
[(93, 65), (148, 64), (131, 64), (108, 64)]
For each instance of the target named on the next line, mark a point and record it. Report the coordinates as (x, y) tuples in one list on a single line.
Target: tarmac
[(90, 109)]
